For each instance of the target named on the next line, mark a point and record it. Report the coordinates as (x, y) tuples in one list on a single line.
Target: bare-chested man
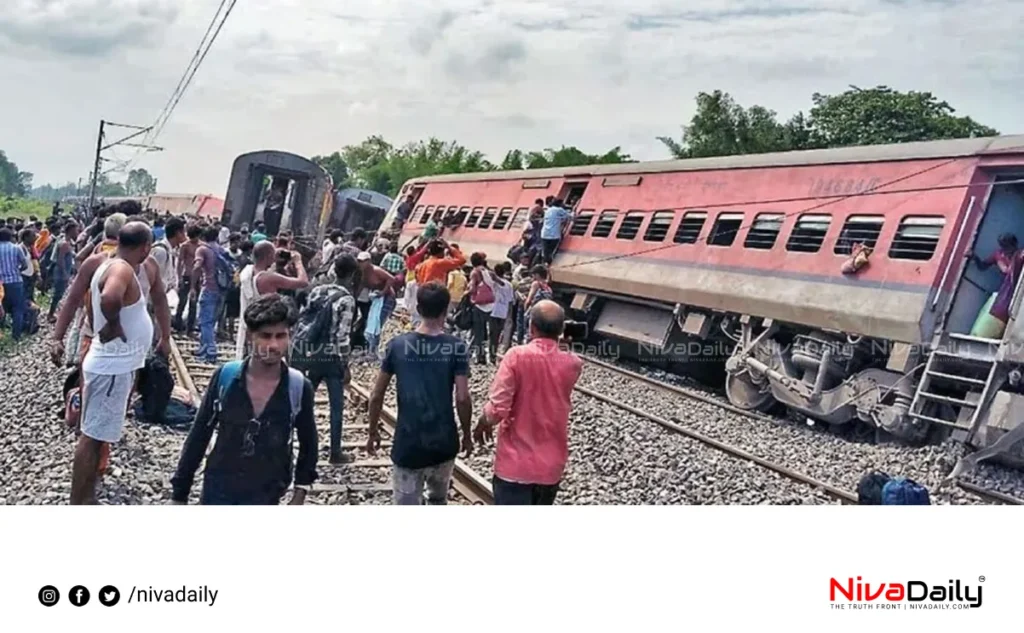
[(383, 285), (259, 279)]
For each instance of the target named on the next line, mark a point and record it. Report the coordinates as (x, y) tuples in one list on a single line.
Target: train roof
[(954, 148)]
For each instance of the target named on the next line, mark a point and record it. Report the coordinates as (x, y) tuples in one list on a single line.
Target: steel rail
[(677, 425), (466, 481)]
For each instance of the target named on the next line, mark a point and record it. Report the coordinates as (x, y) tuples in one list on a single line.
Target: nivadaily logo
[(913, 594)]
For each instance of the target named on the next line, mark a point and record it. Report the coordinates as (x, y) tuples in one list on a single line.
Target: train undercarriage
[(904, 392)]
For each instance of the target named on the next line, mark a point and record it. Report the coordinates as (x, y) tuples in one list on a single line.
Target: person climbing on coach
[(555, 218), (428, 365), (1010, 260), (530, 402), (254, 405), (123, 337)]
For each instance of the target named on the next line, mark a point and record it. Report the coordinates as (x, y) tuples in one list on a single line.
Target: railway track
[(364, 481), (845, 497)]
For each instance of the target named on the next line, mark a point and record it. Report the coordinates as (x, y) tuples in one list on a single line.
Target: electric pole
[(100, 148)]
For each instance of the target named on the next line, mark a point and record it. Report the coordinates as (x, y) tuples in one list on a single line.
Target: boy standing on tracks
[(530, 402), (428, 365), (254, 405), (205, 271)]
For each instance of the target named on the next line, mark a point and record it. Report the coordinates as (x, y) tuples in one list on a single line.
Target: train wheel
[(746, 395)]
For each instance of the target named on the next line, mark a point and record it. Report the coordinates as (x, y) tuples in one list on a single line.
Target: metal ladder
[(976, 405)]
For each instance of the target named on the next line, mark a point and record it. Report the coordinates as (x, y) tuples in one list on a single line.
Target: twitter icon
[(109, 596)]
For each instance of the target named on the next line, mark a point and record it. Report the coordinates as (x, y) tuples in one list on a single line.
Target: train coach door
[(572, 192)]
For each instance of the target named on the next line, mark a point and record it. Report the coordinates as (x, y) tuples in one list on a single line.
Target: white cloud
[(310, 76)]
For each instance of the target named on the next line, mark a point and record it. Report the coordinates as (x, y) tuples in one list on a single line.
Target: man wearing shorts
[(123, 336)]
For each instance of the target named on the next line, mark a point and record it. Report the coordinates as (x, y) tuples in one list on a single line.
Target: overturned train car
[(290, 192), (747, 262)]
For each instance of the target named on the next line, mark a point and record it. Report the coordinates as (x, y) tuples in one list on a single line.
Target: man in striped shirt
[(12, 263)]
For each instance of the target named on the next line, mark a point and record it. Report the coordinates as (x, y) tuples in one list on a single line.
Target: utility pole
[(100, 148)]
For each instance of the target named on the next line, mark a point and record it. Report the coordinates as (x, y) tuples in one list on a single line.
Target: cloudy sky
[(312, 75)]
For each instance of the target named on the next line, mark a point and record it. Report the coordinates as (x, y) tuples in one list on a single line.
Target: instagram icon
[(49, 596)]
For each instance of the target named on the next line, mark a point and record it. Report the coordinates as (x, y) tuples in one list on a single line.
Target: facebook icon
[(79, 596)]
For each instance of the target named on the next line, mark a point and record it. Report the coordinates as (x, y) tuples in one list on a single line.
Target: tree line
[(719, 127)]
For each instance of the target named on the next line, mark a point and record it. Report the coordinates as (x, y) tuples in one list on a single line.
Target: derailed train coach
[(290, 192), (837, 283)]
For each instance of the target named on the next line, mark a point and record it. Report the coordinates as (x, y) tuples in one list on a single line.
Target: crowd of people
[(123, 278)]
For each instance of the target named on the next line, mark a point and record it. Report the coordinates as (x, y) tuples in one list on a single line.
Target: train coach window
[(460, 215), (916, 238), (658, 228), (764, 231), (426, 215), (809, 233), (502, 220), (474, 217), (630, 225), (690, 227), (859, 229), (581, 222), (519, 219), (603, 227), (727, 225), (417, 212), (485, 222)]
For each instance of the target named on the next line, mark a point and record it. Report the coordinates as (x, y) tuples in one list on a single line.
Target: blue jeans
[(60, 286), (15, 301), (334, 378), (209, 301)]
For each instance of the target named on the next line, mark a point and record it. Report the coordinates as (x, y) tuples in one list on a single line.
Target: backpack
[(224, 270), (901, 491), (464, 314), (231, 371), (155, 385), (869, 490), (47, 261), (313, 332)]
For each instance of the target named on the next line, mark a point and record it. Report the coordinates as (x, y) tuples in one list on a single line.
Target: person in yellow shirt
[(457, 282)]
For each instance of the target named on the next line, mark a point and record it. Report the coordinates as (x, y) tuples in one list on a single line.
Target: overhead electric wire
[(186, 78)]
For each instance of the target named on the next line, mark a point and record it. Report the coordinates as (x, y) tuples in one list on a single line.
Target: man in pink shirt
[(530, 402)]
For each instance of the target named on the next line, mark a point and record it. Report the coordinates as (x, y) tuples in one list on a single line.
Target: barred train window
[(519, 219), (809, 233), (426, 215), (724, 231), (917, 237), (657, 230), (581, 222), (474, 217), (485, 222), (764, 231), (604, 225), (630, 225), (502, 220), (862, 229), (690, 227)]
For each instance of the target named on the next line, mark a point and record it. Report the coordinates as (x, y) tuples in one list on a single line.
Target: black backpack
[(869, 490), (155, 386), (311, 340), (463, 319)]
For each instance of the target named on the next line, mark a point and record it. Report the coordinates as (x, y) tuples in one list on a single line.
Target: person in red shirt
[(530, 403)]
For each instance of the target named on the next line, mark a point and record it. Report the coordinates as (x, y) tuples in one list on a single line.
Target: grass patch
[(24, 207)]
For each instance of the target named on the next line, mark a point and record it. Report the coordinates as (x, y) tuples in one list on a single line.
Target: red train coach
[(750, 251)]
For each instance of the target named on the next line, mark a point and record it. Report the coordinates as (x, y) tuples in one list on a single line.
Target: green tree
[(722, 127), (883, 115), (140, 183), (336, 166), (563, 157), (13, 182)]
